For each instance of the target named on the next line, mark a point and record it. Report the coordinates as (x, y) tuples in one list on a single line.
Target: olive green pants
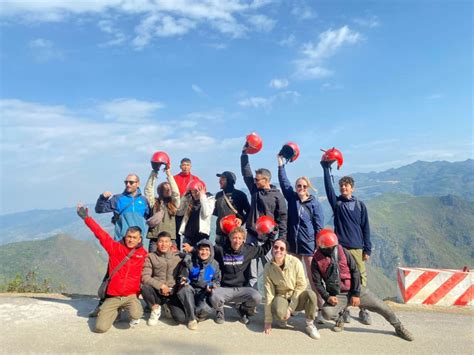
[(357, 255), (307, 301), (110, 308)]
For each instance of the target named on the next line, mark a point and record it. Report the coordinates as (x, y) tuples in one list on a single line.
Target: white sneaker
[(193, 325), (313, 331), (134, 322), (154, 316), (320, 318)]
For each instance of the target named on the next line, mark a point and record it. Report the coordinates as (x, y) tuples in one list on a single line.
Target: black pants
[(181, 304)]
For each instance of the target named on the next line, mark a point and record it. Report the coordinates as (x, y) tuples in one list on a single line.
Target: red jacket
[(126, 280), (183, 180)]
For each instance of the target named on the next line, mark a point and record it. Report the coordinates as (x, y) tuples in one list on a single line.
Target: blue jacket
[(304, 219), (128, 211), (351, 221)]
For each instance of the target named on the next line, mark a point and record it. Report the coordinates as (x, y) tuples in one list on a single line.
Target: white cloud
[(331, 87), (198, 90), (262, 23), (267, 102), (303, 12), (278, 83), (44, 50), (310, 66), (156, 18), (288, 41), (126, 109), (370, 22)]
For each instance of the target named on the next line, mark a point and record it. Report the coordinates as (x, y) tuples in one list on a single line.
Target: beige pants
[(357, 254), (110, 308), (307, 301)]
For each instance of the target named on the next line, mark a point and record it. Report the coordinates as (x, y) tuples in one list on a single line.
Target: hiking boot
[(320, 318), (154, 316), (220, 318), (364, 317), (134, 322), (339, 327), (346, 316), (403, 333), (94, 313), (192, 324), (313, 331)]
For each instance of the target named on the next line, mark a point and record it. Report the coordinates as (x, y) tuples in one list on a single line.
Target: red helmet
[(290, 151), (326, 238), (265, 225), (159, 158), (228, 223), (195, 184), (332, 155), (254, 143)]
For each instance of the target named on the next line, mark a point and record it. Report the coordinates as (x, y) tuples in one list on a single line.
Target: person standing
[(229, 201)]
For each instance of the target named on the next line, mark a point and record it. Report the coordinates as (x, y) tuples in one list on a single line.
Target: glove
[(327, 164), (82, 212)]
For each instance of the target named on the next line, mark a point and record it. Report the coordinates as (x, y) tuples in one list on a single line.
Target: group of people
[(187, 277)]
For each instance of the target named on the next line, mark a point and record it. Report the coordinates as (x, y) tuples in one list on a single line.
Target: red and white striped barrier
[(440, 287)]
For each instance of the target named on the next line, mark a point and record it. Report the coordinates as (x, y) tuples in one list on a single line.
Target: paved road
[(59, 324)]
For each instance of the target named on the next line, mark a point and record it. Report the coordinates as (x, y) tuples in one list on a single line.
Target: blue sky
[(90, 89)]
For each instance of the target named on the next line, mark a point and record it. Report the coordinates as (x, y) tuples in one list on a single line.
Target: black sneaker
[(94, 313), (244, 317), (346, 315), (220, 318), (403, 333), (364, 317)]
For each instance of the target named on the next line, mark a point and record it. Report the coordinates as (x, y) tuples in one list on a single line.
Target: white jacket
[(207, 208)]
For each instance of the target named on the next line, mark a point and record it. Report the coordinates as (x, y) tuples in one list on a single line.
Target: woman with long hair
[(163, 207), (305, 220)]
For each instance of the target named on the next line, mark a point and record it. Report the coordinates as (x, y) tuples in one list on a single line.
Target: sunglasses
[(257, 180), (302, 186), (129, 182), (276, 247)]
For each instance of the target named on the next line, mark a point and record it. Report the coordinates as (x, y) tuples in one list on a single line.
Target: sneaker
[(244, 318), (94, 313), (220, 318), (192, 324), (154, 316), (339, 327), (346, 315), (320, 318), (403, 333), (134, 322), (282, 324), (313, 331), (364, 317)]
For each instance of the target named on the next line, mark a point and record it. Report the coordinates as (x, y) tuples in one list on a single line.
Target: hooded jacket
[(264, 202), (126, 280), (236, 197), (128, 211), (235, 264), (202, 273), (305, 219), (207, 201)]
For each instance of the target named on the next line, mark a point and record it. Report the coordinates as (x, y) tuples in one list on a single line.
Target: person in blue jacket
[(130, 208), (305, 220)]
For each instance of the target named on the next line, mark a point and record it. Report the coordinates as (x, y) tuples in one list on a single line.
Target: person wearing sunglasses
[(285, 290), (130, 208), (305, 220)]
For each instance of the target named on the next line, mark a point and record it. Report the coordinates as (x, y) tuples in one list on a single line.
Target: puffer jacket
[(305, 219), (161, 268), (264, 202), (202, 273), (126, 280)]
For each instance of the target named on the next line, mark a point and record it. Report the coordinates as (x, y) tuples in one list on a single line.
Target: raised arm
[(207, 205), (247, 171), (104, 238), (331, 195), (285, 184), (149, 188), (105, 203), (175, 196)]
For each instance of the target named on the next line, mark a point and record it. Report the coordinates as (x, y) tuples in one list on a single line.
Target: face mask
[(327, 251)]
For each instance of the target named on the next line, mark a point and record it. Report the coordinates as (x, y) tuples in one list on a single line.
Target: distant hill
[(439, 178), (421, 231), (71, 265)]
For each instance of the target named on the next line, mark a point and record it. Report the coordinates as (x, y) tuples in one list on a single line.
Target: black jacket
[(238, 199), (234, 265), (263, 202)]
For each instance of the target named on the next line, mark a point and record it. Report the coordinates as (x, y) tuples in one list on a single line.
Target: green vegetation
[(56, 264)]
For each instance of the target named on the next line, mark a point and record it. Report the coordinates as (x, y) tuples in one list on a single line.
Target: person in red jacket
[(124, 286), (184, 177)]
